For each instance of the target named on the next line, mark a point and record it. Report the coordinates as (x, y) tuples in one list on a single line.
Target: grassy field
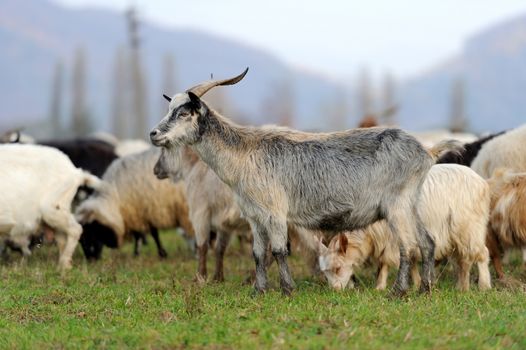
[(127, 302)]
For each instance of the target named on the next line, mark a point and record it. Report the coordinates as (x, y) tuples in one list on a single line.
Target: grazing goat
[(38, 185), (507, 225), (327, 181), (131, 200), (454, 207), (211, 205)]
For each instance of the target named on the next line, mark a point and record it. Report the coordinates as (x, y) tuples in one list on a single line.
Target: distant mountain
[(35, 34), (493, 67)]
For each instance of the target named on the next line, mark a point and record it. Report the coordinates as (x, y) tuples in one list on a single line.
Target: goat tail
[(445, 146), (90, 180)]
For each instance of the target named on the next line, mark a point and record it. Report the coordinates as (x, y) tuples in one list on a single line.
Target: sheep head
[(183, 123)]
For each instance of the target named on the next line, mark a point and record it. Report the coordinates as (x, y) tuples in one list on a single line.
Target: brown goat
[(507, 224)]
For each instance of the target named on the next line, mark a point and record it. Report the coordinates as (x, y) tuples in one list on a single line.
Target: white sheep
[(38, 184), (454, 208)]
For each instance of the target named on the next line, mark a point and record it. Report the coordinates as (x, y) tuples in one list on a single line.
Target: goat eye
[(184, 115), (337, 270)]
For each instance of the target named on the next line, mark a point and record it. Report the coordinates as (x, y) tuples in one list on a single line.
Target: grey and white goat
[(319, 181), (211, 205)]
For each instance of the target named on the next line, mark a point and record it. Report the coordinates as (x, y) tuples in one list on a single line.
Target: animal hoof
[(424, 290), (258, 291), (250, 279), (287, 289), (397, 293), (163, 254)]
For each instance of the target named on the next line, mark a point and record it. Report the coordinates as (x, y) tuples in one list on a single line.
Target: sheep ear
[(343, 243), (167, 98)]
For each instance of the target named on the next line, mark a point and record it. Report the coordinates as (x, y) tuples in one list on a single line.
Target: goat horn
[(167, 98), (201, 89)]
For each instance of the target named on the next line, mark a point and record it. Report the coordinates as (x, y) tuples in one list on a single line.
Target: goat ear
[(343, 243), (167, 98), (194, 100), (321, 248)]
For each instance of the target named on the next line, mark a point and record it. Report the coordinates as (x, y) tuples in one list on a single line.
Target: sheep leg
[(138, 240), (202, 250), (222, 242), (495, 253), (381, 280), (484, 275), (97, 250), (155, 234), (415, 275), (464, 267), (63, 223)]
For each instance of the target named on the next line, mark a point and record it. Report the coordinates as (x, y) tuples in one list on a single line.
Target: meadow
[(142, 302)]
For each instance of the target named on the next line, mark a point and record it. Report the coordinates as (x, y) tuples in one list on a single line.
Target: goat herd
[(371, 193)]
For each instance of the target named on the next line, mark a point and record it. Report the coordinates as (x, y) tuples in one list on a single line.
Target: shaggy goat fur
[(318, 181), (211, 205), (131, 200), (454, 208), (507, 225), (38, 184)]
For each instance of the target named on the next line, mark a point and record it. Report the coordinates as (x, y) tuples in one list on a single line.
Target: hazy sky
[(333, 37)]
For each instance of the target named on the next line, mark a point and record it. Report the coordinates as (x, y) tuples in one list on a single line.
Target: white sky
[(334, 37)]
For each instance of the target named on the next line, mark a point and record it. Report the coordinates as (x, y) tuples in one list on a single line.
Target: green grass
[(127, 302)]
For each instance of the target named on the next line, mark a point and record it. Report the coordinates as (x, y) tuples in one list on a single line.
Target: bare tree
[(137, 78), (118, 101), (55, 110), (458, 121), (79, 115)]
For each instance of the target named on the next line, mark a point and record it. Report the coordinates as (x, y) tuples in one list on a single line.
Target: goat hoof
[(259, 290), (287, 289), (250, 279), (397, 293), (163, 254)]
